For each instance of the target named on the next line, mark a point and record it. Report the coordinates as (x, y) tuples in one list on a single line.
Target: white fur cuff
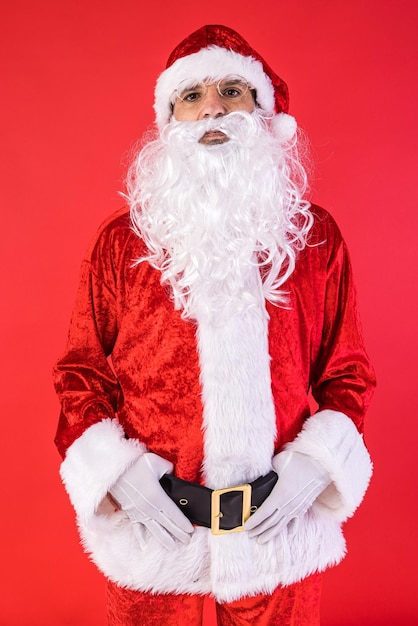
[(94, 462), (331, 439)]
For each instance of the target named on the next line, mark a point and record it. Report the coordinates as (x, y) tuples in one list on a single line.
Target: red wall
[(77, 91)]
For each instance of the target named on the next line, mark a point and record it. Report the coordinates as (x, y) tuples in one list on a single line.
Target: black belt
[(221, 510)]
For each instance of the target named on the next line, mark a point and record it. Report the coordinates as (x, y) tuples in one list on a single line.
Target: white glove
[(300, 482), (140, 495)]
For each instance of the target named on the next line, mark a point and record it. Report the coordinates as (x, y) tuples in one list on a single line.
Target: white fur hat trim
[(212, 62)]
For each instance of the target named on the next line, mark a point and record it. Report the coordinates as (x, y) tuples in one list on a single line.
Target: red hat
[(212, 52)]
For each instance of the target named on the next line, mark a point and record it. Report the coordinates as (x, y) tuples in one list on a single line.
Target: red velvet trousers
[(295, 605)]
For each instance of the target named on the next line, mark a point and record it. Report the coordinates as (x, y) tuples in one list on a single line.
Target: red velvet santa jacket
[(138, 377)]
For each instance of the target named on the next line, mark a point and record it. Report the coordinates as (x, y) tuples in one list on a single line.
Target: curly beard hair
[(210, 214)]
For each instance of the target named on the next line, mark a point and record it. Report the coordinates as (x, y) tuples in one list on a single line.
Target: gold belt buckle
[(216, 513)]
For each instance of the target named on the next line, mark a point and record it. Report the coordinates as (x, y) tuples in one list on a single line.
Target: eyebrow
[(232, 81)]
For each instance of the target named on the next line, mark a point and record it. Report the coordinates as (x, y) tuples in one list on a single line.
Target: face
[(196, 102)]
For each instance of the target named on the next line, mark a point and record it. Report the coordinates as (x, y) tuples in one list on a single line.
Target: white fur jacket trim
[(229, 566)]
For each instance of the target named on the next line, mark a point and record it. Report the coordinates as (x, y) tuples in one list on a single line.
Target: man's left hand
[(300, 482)]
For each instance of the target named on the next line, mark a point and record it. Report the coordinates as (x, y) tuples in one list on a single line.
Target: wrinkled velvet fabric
[(295, 605), (134, 608), (130, 353)]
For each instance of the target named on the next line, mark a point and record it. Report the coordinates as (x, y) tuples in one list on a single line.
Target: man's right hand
[(140, 495)]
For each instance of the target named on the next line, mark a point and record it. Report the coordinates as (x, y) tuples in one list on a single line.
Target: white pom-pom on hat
[(284, 127)]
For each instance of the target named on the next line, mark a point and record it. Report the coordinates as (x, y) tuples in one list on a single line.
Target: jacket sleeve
[(342, 377), (90, 439), (86, 386), (342, 382)]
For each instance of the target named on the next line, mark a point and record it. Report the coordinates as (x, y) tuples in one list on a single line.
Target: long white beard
[(210, 215)]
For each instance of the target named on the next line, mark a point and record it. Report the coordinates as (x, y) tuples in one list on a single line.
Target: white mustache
[(232, 125)]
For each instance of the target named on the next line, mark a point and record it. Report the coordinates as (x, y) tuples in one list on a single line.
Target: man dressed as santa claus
[(205, 317)]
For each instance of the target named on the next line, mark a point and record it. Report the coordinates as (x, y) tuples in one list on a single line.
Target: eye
[(191, 93), (233, 90), (190, 96)]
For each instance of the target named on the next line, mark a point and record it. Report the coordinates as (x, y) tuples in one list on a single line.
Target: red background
[(77, 91)]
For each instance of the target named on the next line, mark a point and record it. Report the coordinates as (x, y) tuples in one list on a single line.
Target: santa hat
[(216, 51)]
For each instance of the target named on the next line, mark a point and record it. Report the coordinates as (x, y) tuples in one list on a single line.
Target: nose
[(212, 104)]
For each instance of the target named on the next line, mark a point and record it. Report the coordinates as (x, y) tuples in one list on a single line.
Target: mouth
[(213, 137)]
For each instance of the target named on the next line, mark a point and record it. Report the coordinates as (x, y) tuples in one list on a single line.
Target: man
[(202, 321)]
